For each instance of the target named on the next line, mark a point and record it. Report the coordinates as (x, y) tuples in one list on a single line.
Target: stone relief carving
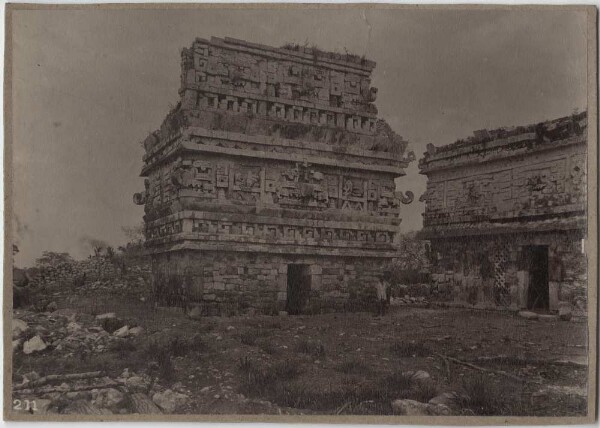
[(196, 175)]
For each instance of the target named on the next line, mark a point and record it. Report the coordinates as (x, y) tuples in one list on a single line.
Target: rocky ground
[(96, 350)]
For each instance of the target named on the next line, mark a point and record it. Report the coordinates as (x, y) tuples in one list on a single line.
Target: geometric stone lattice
[(499, 259)]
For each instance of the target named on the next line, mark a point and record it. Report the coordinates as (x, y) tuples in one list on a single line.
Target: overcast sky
[(89, 85)]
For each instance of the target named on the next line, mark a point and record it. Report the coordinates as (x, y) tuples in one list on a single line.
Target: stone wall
[(492, 271), (507, 181), (276, 152), (228, 283), (493, 197)]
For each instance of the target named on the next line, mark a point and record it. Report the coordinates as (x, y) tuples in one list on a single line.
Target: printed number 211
[(29, 405)]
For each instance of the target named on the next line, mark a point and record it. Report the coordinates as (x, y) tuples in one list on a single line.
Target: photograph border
[(591, 241)]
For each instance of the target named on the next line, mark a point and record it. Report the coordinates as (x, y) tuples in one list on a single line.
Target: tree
[(51, 259)]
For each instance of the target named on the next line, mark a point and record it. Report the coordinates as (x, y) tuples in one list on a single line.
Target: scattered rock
[(141, 403), (565, 313), (35, 344), (72, 327), (106, 316), (418, 376), (109, 398), (548, 317), (169, 400), (136, 384), (283, 313), (528, 315), (16, 344), (112, 324), (122, 332), (51, 307), (18, 327), (452, 400), (136, 331), (195, 313), (83, 407), (31, 376), (416, 408)]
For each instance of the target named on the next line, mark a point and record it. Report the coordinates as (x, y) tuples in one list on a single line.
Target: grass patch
[(269, 348), (409, 349), (164, 350), (259, 379), (312, 348), (353, 367), (483, 396), (424, 391), (249, 338)]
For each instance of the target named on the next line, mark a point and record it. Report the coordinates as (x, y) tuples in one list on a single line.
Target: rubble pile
[(65, 331), (68, 334)]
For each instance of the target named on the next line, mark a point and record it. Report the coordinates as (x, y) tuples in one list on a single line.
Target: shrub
[(396, 385), (162, 355), (483, 396)]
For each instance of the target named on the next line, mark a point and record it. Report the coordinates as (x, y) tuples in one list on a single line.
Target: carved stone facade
[(274, 157), (506, 215)]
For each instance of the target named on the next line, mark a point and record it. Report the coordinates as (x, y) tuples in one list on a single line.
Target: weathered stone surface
[(264, 170), (528, 315), (564, 311), (418, 376), (109, 398), (136, 331), (195, 313), (106, 316), (142, 404), (452, 400), (18, 327), (485, 198), (72, 327), (416, 408), (35, 344), (136, 384), (122, 332), (169, 400)]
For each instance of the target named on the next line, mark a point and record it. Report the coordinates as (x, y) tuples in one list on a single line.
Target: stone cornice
[(492, 151), (181, 242), (184, 145), (272, 220)]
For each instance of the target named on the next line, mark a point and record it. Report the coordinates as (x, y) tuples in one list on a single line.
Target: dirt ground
[(490, 363)]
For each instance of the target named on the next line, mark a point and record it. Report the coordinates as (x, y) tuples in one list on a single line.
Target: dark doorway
[(298, 288), (538, 295)]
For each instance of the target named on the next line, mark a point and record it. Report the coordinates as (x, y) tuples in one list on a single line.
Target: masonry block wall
[(274, 157), (505, 205)]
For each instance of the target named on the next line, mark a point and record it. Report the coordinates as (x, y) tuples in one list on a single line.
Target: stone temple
[(506, 215), (271, 184)]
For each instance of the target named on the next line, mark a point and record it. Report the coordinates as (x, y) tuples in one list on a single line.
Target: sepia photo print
[(300, 213)]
